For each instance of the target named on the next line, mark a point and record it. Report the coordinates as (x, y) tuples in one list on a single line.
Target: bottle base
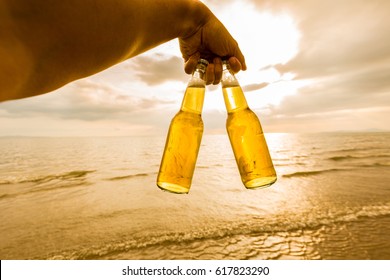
[(172, 188), (260, 183)]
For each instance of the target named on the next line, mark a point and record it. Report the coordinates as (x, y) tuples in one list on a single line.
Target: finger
[(235, 64), (210, 74), (191, 63), (217, 70), (238, 54)]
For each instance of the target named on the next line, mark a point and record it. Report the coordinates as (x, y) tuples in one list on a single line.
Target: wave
[(311, 173), (209, 166), (349, 157), (376, 164), (357, 149), (126, 177), (352, 149), (289, 164), (47, 178), (202, 167), (49, 183), (46, 189), (254, 226), (340, 158)]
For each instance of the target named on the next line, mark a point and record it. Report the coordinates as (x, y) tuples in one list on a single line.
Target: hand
[(212, 42)]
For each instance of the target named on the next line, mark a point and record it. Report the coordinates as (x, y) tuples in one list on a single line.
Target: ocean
[(96, 198)]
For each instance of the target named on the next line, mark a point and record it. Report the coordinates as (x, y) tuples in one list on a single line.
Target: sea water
[(96, 198)]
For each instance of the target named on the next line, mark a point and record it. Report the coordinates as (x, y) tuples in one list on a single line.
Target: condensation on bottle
[(246, 135), (184, 137)]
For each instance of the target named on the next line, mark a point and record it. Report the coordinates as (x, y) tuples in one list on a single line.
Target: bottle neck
[(194, 94), (232, 92)]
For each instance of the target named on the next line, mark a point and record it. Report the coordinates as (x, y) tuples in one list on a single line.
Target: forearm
[(158, 21), (59, 42)]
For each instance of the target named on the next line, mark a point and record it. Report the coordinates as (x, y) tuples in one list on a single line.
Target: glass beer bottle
[(184, 137), (246, 135)]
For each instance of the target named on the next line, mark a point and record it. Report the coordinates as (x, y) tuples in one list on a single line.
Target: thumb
[(191, 63)]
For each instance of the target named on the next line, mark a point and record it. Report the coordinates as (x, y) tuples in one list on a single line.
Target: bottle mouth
[(202, 65), (225, 64), (203, 61)]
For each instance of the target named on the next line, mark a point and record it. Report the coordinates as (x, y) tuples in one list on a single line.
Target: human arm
[(45, 44)]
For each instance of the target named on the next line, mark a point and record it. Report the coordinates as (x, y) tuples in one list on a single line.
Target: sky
[(313, 66)]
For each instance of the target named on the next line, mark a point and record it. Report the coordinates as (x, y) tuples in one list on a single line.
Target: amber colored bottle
[(246, 135), (184, 137)]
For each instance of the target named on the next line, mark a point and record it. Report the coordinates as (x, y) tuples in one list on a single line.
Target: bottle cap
[(203, 61)]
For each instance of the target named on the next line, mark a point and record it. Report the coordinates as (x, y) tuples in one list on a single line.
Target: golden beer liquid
[(182, 144), (247, 140)]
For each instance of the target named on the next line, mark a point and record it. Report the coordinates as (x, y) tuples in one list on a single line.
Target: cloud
[(112, 102), (344, 54), (252, 87), (337, 36), (86, 108), (355, 92), (357, 102), (158, 69), (83, 100)]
